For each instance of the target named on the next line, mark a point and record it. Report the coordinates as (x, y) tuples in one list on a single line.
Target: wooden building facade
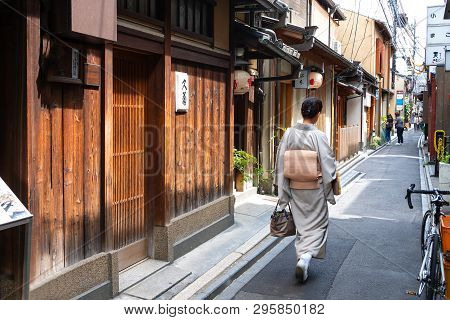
[(96, 150)]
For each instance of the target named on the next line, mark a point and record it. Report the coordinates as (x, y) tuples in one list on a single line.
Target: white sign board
[(436, 16), (303, 80), (435, 55), (438, 36), (399, 100), (181, 92)]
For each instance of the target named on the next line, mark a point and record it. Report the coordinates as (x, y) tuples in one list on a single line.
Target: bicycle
[(431, 274)]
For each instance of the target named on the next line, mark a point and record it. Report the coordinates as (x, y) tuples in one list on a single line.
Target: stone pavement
[(373, 247)]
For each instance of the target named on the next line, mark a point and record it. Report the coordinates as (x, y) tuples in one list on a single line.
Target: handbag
[(282, 223), (336, 184), (301, 167)]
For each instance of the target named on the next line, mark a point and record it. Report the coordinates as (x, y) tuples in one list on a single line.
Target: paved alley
[(373, 246)]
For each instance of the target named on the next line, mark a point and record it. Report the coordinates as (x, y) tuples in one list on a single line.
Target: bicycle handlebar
[(411, 190)]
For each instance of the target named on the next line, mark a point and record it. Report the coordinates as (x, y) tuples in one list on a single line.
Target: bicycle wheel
[(435, 274), (426, 226)]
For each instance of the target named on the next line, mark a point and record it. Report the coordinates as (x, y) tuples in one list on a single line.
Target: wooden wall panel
[(199, 129), (73, 123), (92, 164), (222, 130), (65, 187), (190, 146), (200, 138), (154, 167), (207, 134)]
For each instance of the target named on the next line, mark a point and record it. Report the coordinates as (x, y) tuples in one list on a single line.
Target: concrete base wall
[(94, 278), (193, 228)]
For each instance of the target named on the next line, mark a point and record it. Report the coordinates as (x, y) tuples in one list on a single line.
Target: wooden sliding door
[(130, 87)]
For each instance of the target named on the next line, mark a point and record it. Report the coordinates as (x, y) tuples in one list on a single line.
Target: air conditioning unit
[(337, 46)]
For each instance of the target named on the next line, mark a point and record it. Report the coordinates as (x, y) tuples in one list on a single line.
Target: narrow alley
[(373, 249)]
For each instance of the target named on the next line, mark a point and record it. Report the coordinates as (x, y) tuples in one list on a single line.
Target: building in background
[(306, 32), (368, 41)]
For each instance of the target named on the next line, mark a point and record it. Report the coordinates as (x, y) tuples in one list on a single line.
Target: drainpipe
[(277, 109), (259, 101), (329, 28), (333, 110), (361, 143), (271, 33), (310, 13)]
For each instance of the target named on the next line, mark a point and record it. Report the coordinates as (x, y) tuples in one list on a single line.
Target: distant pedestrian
[(416, 122), (388, 129), (399, 125), (421, 124), (308, 193)]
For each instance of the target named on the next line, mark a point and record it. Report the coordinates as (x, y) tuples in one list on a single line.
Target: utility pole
[(414, 57), (393, 4)]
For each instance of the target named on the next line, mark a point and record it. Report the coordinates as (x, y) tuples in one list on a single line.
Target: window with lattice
[(194, 16), (150, 9)]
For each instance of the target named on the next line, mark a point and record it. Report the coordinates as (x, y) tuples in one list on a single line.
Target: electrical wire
[(356, 29)]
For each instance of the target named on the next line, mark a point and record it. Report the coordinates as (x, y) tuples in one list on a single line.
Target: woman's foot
[(301, 270)]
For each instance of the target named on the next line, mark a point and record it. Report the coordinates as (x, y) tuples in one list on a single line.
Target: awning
[(316, 48), (352, 89), (263, 44), (338, 14), (260, 6)]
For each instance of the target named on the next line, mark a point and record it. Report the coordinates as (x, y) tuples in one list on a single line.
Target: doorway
[(130, 107)]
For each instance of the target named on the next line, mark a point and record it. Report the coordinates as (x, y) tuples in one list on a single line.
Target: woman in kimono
[(309, 207)]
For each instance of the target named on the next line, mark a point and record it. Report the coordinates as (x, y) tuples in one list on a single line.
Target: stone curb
[(217, 285), (219, 268)]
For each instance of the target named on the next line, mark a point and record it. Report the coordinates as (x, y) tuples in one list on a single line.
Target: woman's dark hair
[(311, 107), (397, 114)]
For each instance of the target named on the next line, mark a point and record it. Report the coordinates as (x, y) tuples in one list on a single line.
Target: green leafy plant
[(407, 111), (279, 132), (375, 143), (446, 159), (383, 122), (242, 161)]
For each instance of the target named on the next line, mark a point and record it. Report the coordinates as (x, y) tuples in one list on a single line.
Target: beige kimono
[(309, 207)]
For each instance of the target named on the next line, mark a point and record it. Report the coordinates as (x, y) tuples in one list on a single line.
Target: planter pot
[(444, 178), (240, 183)]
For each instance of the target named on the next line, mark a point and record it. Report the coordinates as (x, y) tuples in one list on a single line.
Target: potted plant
[(444, 174), (243, 163), (375, 143)]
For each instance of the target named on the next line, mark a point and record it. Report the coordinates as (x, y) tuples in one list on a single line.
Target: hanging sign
[(303, 80), (399, 100), (438, 36), (181, 91), (435, 15), (75, 63)]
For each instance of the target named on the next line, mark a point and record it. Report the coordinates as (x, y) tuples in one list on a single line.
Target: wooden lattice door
[(130, 87)]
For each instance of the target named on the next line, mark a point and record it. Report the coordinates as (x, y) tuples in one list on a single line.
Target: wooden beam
[(229, 121), (108, 243), (33, 103), (167, 209)]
